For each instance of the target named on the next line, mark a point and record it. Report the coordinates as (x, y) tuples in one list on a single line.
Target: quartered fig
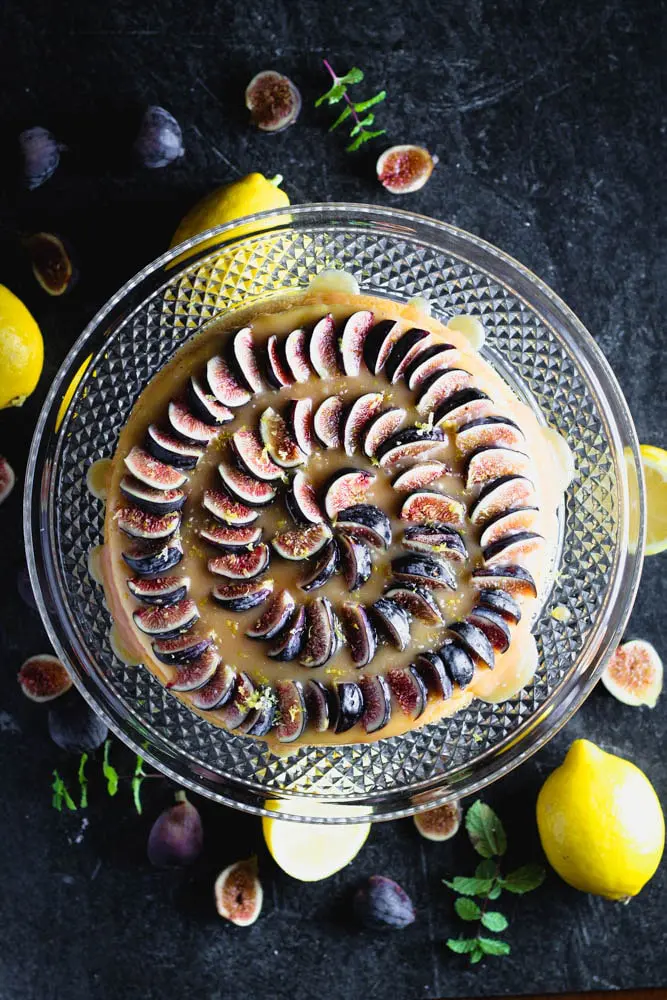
[(437, 388), (43, 678), (327, 421), (380, 429), (160, 140), (431, 669), (382, 904), (224, 385), (289, 643), (176, 838), (242, 596), (634, 673), (323, 348), (458, 663), (486, 432), (436, 539), (51, 263), (245, 488), (7, 479), (237, 709), (152, 472), (301, 501), (260, 720), (189, 427), (162, 590), (347, 706), (299, 417), (393, 620), (404, 169), (494, 627), (475, 642), (346, 488), (149, 499), (377, 703), (238, 893), (423, 569), (273, 101), (223, 508), (137, 523), (244, 359), (217, 691), (502, 603), (357, 418), (409, 445), (429, 506), (278, 371), (41, 155), (379, 342), (463, 406), (404, 351), (518, 519), (154, 559), (321, 568), (291, 711), (301, 543), (206, 406), (241, 565), (408, 690), (73, 726), (419, 476), (253, 456), (171, 449), (352, 341), (434, 359), (512, 547), (316, 696), (166, 621), (274, 618), (182, 648), (417, 600), (502, 495), (197, 673), (359, 633), (441, 823), (366, 523), (321, 630), (278, 440), (513, 579), (356, 562), (297, 355), (494, 462)]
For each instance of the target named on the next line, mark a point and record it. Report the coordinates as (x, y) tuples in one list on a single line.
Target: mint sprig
[(62, 797), (488, 837), (354, 110)]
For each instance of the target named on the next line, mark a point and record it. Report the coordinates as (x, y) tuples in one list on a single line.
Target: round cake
[(330, 520)]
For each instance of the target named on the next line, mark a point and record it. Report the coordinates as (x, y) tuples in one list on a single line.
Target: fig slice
[(436, 539), (486, 432), (501, 603), (436, 389), (301, 543), (245, 360), (380, 428), (217, 691), (155, 559), (514, 579), (347, 488), (274, 618), (168, 621), (519, 519), (500, 496), (253, 456), (463, 406), (43, 678), (475, 643), (353, 339), (278, 441), (425, 570), (512, 547), (408, 690), (137, 523), (188, 427), (149, 499), (206, 406), (261, 718), (224, 386), (291, 711), (172, 450), (238, 893), (327, 421), (634, 673), (245, 488), (348, 706), (494, 462), (223, 508), (277, 369), (301, 501), (417, 601), (379, 342), (420, 476), (427, 506), (359, 633), (458, 663), (435, 358), (408, 445), (494, 627), (356, 563), (51, 263), (403, 352), (196, 674), (357, 418), (394, 621), (321, 569), (273, 101), (441, 823), (161, 591), (324, 349), (366, 523), (431, 669), (316, 696), (296, 355), (239, 705), (404, 169), (289, 643), (300, 423), (242, 596), (241, 565), (377, 703), (320, 629), (151, 472), (181, 649)]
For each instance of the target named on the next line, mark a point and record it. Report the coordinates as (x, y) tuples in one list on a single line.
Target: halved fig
[(634, 674), (278, 441), (169, 621), (245, 360), (149, 527), (274, 618), (277, 369), (403, 352), (434, 359), (380, 428), (289, 643), (406, 168), (320, 629), (152, 472), (346, 488), (359, 633), (241, 565), (494, 462), (408, 690), (441, 823), (261, 718), (356, 563), (353, 339), (379, 342), (217, 691), (253, 456), (239, 706), (162, 590), (432, 671), (500, 496), (223, 384), (154, 560), (513, 579), (188, 427), (437, 539), (43, 678), (151, 500), (296, 355), (416, 600), (519, 519), (301, 543), (274, 103), (366, 523), (244, 487), (321, 569), (493, 625), (426, 506), (242, 596), (463, 406), (475, 642), (301, 501), (238, 893), (439, 387), (299, 417), (291, 711), (316, 696), (425, 570), (408, 445), (458, 663), (327, 421), (225, 509), (196, 674), (511, 547), (324, 349), (357, 418), (348, 705), (377, 703), (394, 621), (419, 476), (502, 603), (486, 432), (181, 649), (172, 450), (206, 406)]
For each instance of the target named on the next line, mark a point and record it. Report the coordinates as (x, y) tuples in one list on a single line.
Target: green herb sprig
[(488, 837), (62, 796), (360, 132)]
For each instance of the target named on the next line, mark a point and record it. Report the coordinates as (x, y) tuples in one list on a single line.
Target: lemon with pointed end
[(313, 851), (21, 350), (600, 823)]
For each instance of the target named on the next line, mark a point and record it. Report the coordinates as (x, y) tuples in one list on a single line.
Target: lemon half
[(313, 851)]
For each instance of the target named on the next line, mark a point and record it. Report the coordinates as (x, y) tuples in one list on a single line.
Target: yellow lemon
[(313, 851), (21, 351), (600, 823), (654, 464)]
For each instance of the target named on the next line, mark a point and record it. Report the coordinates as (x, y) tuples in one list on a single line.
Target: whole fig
[(74, 726), (381, 904), (177, 837)]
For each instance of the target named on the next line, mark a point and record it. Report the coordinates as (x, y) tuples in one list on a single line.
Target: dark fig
[(347, 706), (149, 527), (427, 506), (260, 720), (289, 643), (345, 489), (206, 406), (217, 691), (382, 904), (500, 496), (176, 838), (487, 432), (241, 565), (223, 384), (357, 418), (162, 590), (242, 596), (377, 703), (172, 450), (408, 690), (379, 342), (227, 510), (404, 169), (462, 406), (356, 562), (393, 620), (73, 725), (417, 601), (51, 263), (324, 349), (188, 427), (519, 519), (253, 456), (274, 618), (327, 421), (273, 101), (238, 893), (277, 369), (245, 360), (409, 444), (7, 479), (494, 627), (166, 622), (41, 155), (502, 603), (366, 523), (475, 643), (151, 500), (237, 709), (278, 441), (181, 649), (494, 462), (299, 417), (419, 476), (441, 823), (404, 351), (194, 675), (426, 570), (43, 678), (301, 501), (244, 487), (359, 633), (458, 664), (320, 628), (380, 428), (316, 697), (511, 547), (321, 568), (435, 358), (291, 711), (439, 387), (432, 671), (155, 559), (436, 539), (151, 472), (301, 543), (296, 355), (513, 579), (160, 140), (352, 341)]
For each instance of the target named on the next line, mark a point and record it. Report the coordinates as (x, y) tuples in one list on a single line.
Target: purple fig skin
[(41, 155), (177, 836), (383, 905), (160, 140)]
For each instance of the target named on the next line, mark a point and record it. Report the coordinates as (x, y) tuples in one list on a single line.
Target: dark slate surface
[(546, 118)]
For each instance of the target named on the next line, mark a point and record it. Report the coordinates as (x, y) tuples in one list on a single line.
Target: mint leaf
[(355, 75), (486, 869), (345, 113), (362, 138), (368, 120), (137, 781), (333, 95), (494, 921), (83, 781), (109, 772), (485, 830), (476, 956), (495, 892), (462, 946), (365, 105), (467, 909), (470, 886), (60, 794), (492, 946), (524, 879)]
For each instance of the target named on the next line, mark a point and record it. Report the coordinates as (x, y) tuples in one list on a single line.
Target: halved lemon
[(654, 464), (313, 851)]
